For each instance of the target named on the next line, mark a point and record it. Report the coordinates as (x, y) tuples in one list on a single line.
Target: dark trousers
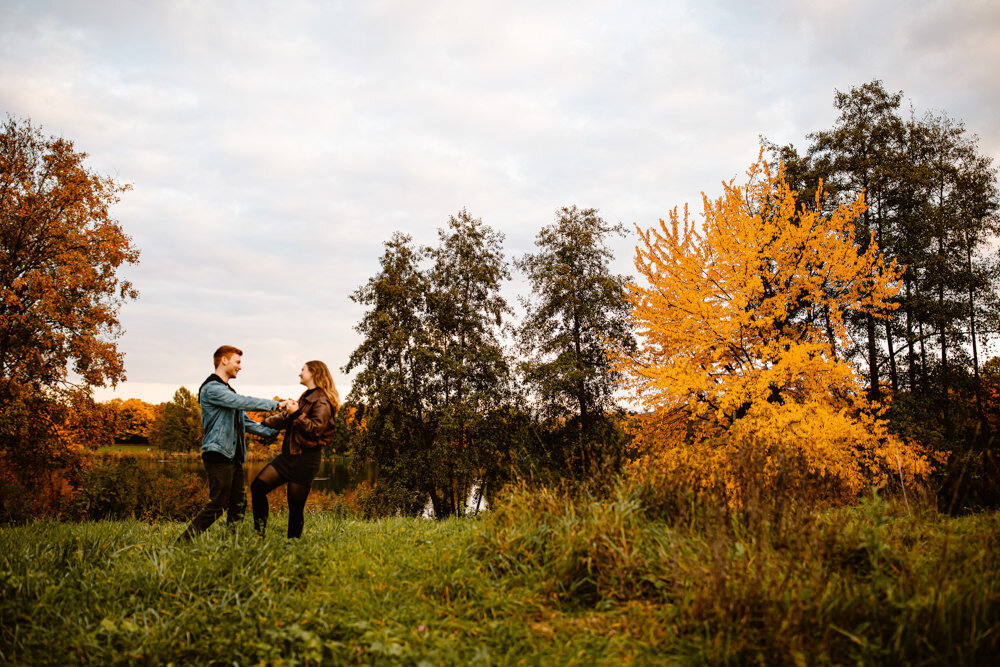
[(226, 493)]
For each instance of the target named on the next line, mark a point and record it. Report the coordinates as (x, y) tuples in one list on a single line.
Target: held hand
[(283, 405), (291, 406)]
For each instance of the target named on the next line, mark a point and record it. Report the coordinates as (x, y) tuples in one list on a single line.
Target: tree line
[(454, 396), (445, 403), (932, 207)]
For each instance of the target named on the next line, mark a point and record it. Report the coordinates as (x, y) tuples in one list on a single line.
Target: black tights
[(266, 481)]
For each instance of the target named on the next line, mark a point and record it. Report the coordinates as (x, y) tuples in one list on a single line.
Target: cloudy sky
[(274, 146)]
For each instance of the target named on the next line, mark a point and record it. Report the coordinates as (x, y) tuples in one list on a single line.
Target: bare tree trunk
[(924, 382), (893, 377), (874, 390), (975, 351), (911, 355), (945, 407)]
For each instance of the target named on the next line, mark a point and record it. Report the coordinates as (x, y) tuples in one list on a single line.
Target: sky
[(273, 147)]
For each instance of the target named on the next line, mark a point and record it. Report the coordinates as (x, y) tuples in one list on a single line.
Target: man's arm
[(258, 429), (219, 394)]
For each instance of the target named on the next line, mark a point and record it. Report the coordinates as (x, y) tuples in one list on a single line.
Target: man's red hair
[(225, 352)]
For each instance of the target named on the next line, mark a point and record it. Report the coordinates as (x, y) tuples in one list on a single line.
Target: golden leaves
[(742, 336)]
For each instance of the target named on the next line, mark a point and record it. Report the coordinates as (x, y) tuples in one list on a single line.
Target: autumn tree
[(60, 292), (178, 427), (742, 331), (133, 419), (576, 311), (60, 250)]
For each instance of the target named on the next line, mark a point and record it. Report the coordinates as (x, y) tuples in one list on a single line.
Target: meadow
[(540, 580)]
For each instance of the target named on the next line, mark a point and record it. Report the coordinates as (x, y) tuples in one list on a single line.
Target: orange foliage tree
[(742, 344), (133, 419), (59, 288)]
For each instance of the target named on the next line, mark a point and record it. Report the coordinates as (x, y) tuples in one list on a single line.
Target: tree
[(958, 203), (465, 313), (742, 332), (431, 366), (859, 157), (391, 388), (59, 294), (178, 427), (133, 419), (577, 311), (933, 205), (59, 254)]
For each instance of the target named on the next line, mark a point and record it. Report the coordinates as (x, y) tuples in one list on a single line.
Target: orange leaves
[(59, 254), (742, 335)]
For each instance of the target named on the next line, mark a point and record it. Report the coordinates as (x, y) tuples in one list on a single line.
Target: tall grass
[(350, 592), (542, 580), (869, 584)]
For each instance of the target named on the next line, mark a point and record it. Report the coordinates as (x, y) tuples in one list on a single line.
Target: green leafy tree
[(390, 391), (465, 315), (178, 427), (958, 204), (859, 155), (577, 312), (431, 366), (932, 207)]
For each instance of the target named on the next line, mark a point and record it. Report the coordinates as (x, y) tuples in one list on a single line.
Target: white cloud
[(273, 147)]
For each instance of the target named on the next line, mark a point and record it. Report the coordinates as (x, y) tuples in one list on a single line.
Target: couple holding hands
[(307, 423)]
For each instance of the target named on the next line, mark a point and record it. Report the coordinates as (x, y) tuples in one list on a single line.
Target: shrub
[(120, 487), (28, 495), (868, 583)]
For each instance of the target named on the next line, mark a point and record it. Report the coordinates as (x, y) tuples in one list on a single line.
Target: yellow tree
[(742, 343)]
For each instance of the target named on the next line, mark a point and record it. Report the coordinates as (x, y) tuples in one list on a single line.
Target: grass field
[(542, 582)]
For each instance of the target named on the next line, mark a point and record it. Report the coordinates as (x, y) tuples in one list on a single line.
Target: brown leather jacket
[(308, 427)]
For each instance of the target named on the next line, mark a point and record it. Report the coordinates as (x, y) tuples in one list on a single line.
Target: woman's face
[(305, 377)]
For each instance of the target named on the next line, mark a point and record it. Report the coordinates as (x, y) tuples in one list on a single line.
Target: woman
[(308, 426)]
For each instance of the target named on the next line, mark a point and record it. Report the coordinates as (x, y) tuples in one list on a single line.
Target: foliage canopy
[(742, 329), (59, 253)]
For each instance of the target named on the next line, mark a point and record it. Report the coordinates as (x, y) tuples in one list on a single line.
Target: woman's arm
[(315, 419), (278, 420)]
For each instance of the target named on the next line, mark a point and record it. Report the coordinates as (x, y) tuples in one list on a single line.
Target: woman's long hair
[(321, 376)]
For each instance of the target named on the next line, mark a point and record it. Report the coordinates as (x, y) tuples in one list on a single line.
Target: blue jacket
[(221, 407)]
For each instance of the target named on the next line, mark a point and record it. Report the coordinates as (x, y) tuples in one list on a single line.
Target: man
[(223, 446)]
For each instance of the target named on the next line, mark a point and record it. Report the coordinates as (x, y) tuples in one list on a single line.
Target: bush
[(970, 482), (868, 583), (28, 495), (583, 550), (119, 487)]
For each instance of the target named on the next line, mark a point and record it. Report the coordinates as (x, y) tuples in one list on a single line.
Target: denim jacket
[(221, 406)]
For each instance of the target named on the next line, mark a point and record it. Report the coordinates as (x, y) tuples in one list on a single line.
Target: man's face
[(231, 365)]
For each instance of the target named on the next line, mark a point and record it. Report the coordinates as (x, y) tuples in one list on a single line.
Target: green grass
[(352, 591), (541, 581)]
